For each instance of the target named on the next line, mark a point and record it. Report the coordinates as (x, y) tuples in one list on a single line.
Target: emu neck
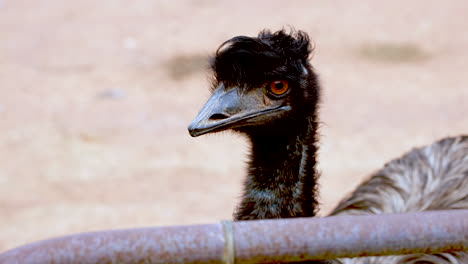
[(281, 179)]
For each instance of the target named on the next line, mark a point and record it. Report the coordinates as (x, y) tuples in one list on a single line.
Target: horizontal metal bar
[(260, 241)]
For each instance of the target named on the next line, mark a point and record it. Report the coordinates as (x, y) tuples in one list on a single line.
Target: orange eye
[(278, 87)]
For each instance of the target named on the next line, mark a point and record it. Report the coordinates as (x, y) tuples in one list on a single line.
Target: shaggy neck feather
[(281, 179)]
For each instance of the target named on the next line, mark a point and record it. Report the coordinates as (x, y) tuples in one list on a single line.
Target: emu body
[(434, 177), (265, 88)]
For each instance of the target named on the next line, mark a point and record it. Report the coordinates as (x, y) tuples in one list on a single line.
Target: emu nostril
[(218, 116)]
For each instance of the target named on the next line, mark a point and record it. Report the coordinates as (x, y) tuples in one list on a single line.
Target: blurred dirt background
[(95, 98)]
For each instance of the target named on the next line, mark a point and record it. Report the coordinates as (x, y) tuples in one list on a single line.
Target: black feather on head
[(249, 61)]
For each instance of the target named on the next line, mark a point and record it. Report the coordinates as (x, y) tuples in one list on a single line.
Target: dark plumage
[(282, 128), (252, 61), (265, 88)]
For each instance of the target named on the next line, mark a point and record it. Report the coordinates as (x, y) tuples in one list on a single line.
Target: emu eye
[(278, 87)]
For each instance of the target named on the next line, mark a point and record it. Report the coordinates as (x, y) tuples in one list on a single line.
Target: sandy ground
[(95, 98)]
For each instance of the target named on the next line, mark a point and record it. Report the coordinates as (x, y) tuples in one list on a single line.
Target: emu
[(265, 88)]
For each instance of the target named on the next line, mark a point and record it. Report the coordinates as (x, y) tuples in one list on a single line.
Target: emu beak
[(221, 109), (232, 108)]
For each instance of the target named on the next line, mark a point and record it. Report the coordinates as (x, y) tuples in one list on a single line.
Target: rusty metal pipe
[(260, 241)]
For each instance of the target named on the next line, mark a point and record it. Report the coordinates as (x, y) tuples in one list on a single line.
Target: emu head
[(259, 82)]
